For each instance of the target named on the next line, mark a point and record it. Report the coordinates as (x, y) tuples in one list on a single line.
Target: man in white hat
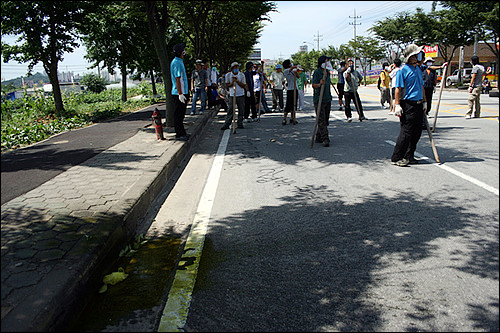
[(410, 106), (235, 80)]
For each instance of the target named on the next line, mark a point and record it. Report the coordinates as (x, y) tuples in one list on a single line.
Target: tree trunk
[(153, 83), (124, 83), (158, 27), (51, 70)]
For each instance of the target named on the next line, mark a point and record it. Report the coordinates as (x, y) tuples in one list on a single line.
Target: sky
[(295, 23)]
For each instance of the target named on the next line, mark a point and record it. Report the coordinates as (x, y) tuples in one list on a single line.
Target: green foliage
[(31, 119), (94, 83)]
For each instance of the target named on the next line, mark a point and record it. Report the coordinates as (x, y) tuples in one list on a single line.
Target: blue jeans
[(199, 93)]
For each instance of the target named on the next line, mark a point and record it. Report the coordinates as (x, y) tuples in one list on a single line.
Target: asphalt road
[(27, 168), (329, 239)]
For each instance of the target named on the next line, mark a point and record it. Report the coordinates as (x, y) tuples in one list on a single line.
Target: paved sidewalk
[(56, 236)]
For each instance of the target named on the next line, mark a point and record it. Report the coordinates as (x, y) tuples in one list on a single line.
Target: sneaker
[(192, 113), (295, 122), (201, 112), (349, 120), (283, 122), (326, 143), (340, 108), (468, 116), (402, 163), (413, 161), (363, 118)]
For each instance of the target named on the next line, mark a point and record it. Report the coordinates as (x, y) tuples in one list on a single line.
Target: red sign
[(431, 51)]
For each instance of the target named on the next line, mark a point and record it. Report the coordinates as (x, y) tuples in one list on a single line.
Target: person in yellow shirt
[(384, 86)]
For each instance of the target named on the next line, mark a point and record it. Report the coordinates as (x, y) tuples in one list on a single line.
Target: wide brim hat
[(429, 59), (322, 59), (234, 64), (411, 50)]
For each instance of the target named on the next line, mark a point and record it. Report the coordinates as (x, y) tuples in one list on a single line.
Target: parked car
[(453, 79)]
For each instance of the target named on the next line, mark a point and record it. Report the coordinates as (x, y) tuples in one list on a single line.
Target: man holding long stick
[(322, 99), (409, 106), (236, 85)]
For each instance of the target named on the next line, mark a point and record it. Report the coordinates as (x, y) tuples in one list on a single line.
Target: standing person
[(326, 102), (199, 83), (277, 81), (341, 83), (179, 91), (258, 86), (410, 105), (384, 82), (301, 86), (395, 67), (290, 73), (352, 78), (235, 79), (430, 82), (475, 88), (250, 94)]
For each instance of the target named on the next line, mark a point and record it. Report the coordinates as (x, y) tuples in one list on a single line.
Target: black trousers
[(323, 117), (289, 101), (250, 105), (428, 96), (357, 103), (410, 130), (179, 114)]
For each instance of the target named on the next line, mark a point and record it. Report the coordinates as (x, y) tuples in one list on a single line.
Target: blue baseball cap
[(279, 66)]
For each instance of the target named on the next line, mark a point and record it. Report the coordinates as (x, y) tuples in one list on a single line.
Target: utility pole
[(354, 24), (318, 39)]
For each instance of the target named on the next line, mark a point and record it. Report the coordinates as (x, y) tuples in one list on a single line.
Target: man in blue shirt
[(179, 91), (410, 106)]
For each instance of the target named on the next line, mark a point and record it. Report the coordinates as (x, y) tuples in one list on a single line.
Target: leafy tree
[(114, 35), (368, 49), (477, 18), (94, 82), (46, 30)]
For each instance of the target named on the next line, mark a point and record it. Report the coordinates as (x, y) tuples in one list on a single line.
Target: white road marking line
[(455, 172), (179, 298)]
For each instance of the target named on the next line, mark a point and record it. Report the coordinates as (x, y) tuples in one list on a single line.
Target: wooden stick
[(434, 150), (319, 107), (234, 108), (443, 81)]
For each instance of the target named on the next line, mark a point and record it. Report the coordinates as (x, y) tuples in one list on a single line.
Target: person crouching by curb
[(326, 102), (410, 107), (235, 78)]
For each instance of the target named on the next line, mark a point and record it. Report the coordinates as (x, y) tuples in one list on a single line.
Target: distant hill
[(36, 78)]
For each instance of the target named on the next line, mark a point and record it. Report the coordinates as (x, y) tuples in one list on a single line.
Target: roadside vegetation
[(34, 118)]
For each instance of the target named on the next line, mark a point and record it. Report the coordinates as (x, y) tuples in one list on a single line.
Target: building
[(256, 56)]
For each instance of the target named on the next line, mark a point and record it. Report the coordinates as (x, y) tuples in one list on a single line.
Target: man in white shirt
[(235, 80)]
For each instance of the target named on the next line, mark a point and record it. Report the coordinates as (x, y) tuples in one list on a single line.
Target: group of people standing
[(408, 89)]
